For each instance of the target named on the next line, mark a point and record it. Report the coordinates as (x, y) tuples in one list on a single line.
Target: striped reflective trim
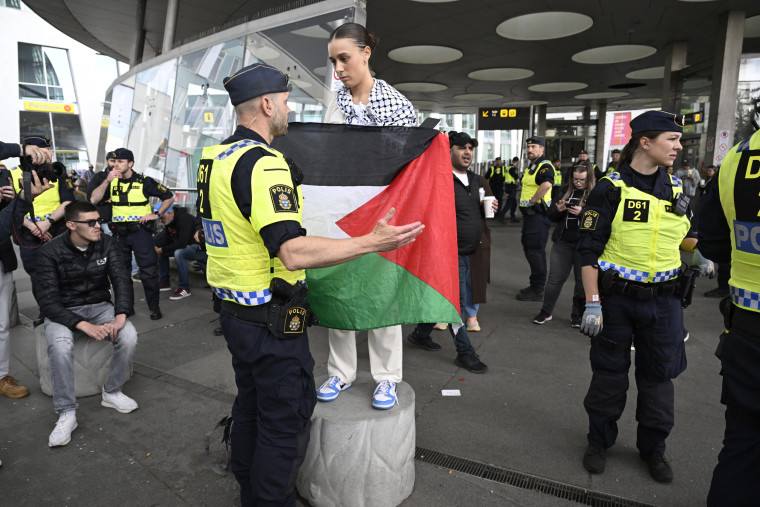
[(39, 219), (237, 146), (639, 276), (130, 218), (745, 298), (256, 298)]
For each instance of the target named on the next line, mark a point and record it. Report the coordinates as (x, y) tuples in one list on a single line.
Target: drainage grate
[(524, 481)]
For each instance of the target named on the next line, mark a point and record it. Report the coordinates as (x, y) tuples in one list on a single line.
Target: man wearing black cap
[(537, 182), (469, 231), (612, 167), (131, 212), (250, 203), (48, 212)]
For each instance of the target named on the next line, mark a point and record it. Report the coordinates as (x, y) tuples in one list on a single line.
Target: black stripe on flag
[(349, 155)]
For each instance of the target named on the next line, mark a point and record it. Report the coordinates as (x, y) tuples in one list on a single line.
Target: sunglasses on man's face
[(90, 223)]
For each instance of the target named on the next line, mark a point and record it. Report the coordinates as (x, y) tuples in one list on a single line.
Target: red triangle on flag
[(423, 191)]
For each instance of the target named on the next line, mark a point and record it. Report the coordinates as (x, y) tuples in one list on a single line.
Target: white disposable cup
[(488, 205)]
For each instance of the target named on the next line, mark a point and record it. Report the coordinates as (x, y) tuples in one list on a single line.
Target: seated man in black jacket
[(178, 241), (74, 270)]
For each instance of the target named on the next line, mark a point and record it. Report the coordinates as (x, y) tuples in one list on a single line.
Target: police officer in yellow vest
[(634, 223), (729, 231), (558, 177), (537, 182), (250, 204), (48, 212), (496, 177), (131, 213), (612, 167)]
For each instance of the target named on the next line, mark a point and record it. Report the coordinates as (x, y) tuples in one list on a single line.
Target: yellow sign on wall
[(49, 107), (208, 117)]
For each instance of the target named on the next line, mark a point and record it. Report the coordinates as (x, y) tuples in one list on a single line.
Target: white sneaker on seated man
[(76, 271)]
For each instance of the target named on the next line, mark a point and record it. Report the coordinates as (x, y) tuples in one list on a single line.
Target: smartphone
[(5, 178)]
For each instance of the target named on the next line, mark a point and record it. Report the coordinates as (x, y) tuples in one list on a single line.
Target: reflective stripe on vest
[(45, 203), (240, 268), (739, 186), (530, 187), (644, 242)]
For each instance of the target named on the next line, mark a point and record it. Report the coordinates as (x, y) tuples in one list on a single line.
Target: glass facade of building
[(167, 112)]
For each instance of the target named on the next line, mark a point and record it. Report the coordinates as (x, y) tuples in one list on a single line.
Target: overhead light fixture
[(500, 74), (558, 87), (650, 73), (544, 25), (425, 54), (613, 54), (752, 27), (420, 87)]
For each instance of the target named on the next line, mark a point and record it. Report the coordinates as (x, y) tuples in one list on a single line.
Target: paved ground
[(525, 414)]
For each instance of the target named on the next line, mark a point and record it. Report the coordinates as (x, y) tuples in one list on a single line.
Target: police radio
[(681, 204)]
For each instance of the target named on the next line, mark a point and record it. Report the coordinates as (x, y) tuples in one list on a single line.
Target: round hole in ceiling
[(613, 54), (500, 74), (544, 25), (420, 87), (425, 54), (650, 73), (558, 87), (626, 86)]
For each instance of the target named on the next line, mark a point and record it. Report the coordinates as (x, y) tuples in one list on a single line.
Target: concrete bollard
[(358, 455), (92, 359)]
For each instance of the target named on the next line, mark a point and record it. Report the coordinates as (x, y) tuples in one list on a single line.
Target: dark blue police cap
[(657, 121), (39, 141), (461, 139), (124, 154), (536, 140), (112, 154), (615, 151), (254, 81)]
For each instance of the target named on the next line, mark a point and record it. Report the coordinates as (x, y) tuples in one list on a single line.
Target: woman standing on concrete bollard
[(363, 100)]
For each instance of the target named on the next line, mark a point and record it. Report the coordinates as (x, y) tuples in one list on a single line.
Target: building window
[(14, 4), (44, 73)]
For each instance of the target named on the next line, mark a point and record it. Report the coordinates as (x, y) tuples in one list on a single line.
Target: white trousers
[(6, 296), (385, 354)]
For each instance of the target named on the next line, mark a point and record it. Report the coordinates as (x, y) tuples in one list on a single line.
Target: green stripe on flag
[(363, 294)]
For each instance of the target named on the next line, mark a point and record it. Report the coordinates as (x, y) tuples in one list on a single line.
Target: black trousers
[(736, 478), (535, 233), (271, 416), (141, 243), (656, 328)]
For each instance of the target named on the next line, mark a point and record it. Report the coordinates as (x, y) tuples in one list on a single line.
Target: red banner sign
[(621, 130)]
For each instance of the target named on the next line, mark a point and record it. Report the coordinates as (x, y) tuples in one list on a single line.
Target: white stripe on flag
[(323, 206)]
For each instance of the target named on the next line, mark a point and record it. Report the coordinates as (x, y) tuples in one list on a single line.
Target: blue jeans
[(469, 309), (461, 338), (60, 347), (181, 256)]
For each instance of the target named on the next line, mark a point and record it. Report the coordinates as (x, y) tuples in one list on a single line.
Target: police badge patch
[(590, 217), (295, 320), (283, 199)]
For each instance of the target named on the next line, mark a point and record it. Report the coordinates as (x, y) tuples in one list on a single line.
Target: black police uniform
[(496, 181), (654, 324), (134, 237), (510, 190), (535, 228), (736, 479), (104, 208), (275, 380)]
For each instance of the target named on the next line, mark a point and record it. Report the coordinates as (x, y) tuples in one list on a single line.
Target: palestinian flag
[(352, 177)]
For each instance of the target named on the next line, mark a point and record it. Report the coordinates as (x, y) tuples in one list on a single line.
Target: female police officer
[(630, 234)]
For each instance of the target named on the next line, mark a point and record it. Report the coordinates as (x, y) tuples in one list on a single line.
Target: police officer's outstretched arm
[(316, 252)]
